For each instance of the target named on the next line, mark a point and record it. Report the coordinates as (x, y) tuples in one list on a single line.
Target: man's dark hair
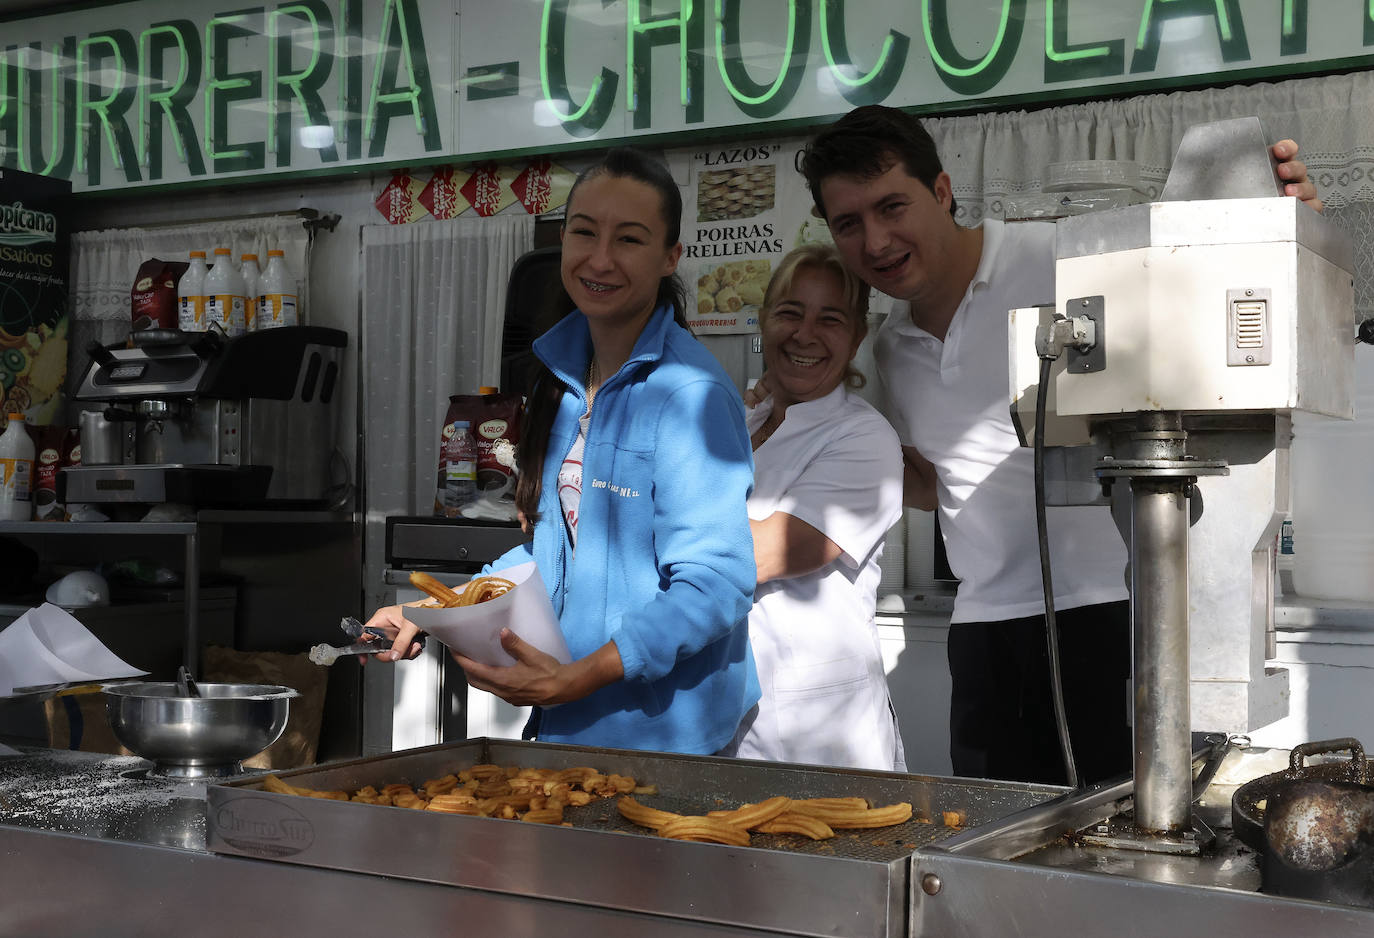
[(866, 143)]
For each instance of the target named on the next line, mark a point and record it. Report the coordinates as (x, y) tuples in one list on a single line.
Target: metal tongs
[(366, 641)]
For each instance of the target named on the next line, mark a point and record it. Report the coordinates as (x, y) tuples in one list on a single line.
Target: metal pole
[(1159, 611), (191, 596)]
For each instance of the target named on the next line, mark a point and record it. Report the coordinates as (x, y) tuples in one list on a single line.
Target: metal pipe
[(1159, 612)]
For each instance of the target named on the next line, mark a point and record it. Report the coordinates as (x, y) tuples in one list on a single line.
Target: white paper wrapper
[(475, 631), (48, 645)]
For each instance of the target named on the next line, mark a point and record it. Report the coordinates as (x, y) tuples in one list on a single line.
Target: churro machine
[(1185, 334)]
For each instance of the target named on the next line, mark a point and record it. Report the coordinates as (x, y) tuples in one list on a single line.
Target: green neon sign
[(755, 99), (972, 76), (1067, 62), (1230, 29)]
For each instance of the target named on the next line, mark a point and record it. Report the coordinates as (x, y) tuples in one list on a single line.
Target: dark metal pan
[(1251, 800)]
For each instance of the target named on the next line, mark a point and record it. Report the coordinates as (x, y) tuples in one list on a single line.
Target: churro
[(483, 589), (642, 814), (543, 816), (789, 822), (708, 829), (850, 817), (750, 816), (427, 584)]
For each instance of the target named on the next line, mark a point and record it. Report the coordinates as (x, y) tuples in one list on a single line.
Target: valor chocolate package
[(153, 299), (494, 424)]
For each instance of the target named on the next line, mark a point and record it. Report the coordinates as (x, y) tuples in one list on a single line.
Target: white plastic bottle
[(251, 276), (277, 299), (191, 295), (224, 295), (16, 471), (460, 468)]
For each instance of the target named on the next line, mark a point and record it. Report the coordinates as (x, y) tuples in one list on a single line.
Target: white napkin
[(47, 645), (475, 631)]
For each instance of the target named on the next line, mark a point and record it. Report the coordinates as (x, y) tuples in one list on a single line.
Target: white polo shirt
[(949, 400), (834, 463)]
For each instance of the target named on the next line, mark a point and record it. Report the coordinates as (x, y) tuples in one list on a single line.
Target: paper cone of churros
[(514, 598)]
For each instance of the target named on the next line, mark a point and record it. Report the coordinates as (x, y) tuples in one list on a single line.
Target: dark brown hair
[(866, 143), (547, 390)]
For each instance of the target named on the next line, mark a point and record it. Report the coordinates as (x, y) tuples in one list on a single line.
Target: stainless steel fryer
[(858, 883)]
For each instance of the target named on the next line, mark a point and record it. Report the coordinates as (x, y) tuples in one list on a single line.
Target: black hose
[(1061, 721)]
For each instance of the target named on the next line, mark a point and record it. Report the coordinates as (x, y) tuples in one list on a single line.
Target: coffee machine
[(200, 419)]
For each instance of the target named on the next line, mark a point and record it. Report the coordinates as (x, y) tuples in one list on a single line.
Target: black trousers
[(1001, 717)]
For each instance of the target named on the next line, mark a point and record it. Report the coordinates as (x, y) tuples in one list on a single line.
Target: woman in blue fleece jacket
[(635, 465)]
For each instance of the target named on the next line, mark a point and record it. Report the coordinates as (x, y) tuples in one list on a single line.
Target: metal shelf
[(191, 532)]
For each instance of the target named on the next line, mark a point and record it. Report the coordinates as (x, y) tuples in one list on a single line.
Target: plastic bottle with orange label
[(16, 471), (191, 295), (277, 301), (224, 291)]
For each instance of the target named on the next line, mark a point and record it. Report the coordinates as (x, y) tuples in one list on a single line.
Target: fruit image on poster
[(34, 254)]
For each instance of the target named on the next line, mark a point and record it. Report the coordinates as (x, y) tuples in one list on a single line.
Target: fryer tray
[(855, 884)]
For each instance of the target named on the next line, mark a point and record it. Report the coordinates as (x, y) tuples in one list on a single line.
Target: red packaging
[(154, 294), (50, 445), (494, 421)]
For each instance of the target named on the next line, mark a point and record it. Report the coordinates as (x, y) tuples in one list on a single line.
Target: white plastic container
[(191, 295), (1333, 500), (252, 274), (16, 471), (224, 292), (459, 484), (277, 295)]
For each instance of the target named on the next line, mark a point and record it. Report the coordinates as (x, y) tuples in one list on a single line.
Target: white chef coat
[(834, 463)]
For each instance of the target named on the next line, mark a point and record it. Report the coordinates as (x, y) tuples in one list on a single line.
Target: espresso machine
[(209, 421)]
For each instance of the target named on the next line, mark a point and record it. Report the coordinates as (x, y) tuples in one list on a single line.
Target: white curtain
[(104, 264), (434, 298), (993, 156)]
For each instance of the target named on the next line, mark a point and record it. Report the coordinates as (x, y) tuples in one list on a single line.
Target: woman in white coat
[(827, 487)]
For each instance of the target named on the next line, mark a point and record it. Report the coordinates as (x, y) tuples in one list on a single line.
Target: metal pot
[(102, 439), (197, 737), (1313, 826), (1248, 804), (1319, 843)]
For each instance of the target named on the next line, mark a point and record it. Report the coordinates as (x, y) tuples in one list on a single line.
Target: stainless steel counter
[(88, 846)]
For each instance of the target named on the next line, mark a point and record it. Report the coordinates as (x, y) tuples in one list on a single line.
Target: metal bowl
[(197, 737)]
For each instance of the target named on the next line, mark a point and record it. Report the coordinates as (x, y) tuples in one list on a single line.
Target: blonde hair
[(822, 257)]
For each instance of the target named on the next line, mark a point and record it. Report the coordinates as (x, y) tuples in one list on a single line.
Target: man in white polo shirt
[(876, 178)]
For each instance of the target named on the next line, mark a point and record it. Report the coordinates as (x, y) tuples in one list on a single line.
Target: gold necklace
[(593, 383)]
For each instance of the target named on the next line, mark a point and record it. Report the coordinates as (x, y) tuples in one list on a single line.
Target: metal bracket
[(1095, 359), (1120, 833)]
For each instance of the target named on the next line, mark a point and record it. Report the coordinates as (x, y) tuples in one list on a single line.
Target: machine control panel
[(126, 371)]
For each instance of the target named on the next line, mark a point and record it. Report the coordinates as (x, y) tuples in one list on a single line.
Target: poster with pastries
[(738, 210)]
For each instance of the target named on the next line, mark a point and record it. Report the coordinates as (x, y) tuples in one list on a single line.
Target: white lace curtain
[(993, 156), (434, 297)]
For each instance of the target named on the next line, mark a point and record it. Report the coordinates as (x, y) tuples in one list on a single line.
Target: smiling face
[(614, 250), (809, 336), (892, 230)]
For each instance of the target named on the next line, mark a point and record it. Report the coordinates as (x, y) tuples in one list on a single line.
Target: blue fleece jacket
[(664, 565)]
